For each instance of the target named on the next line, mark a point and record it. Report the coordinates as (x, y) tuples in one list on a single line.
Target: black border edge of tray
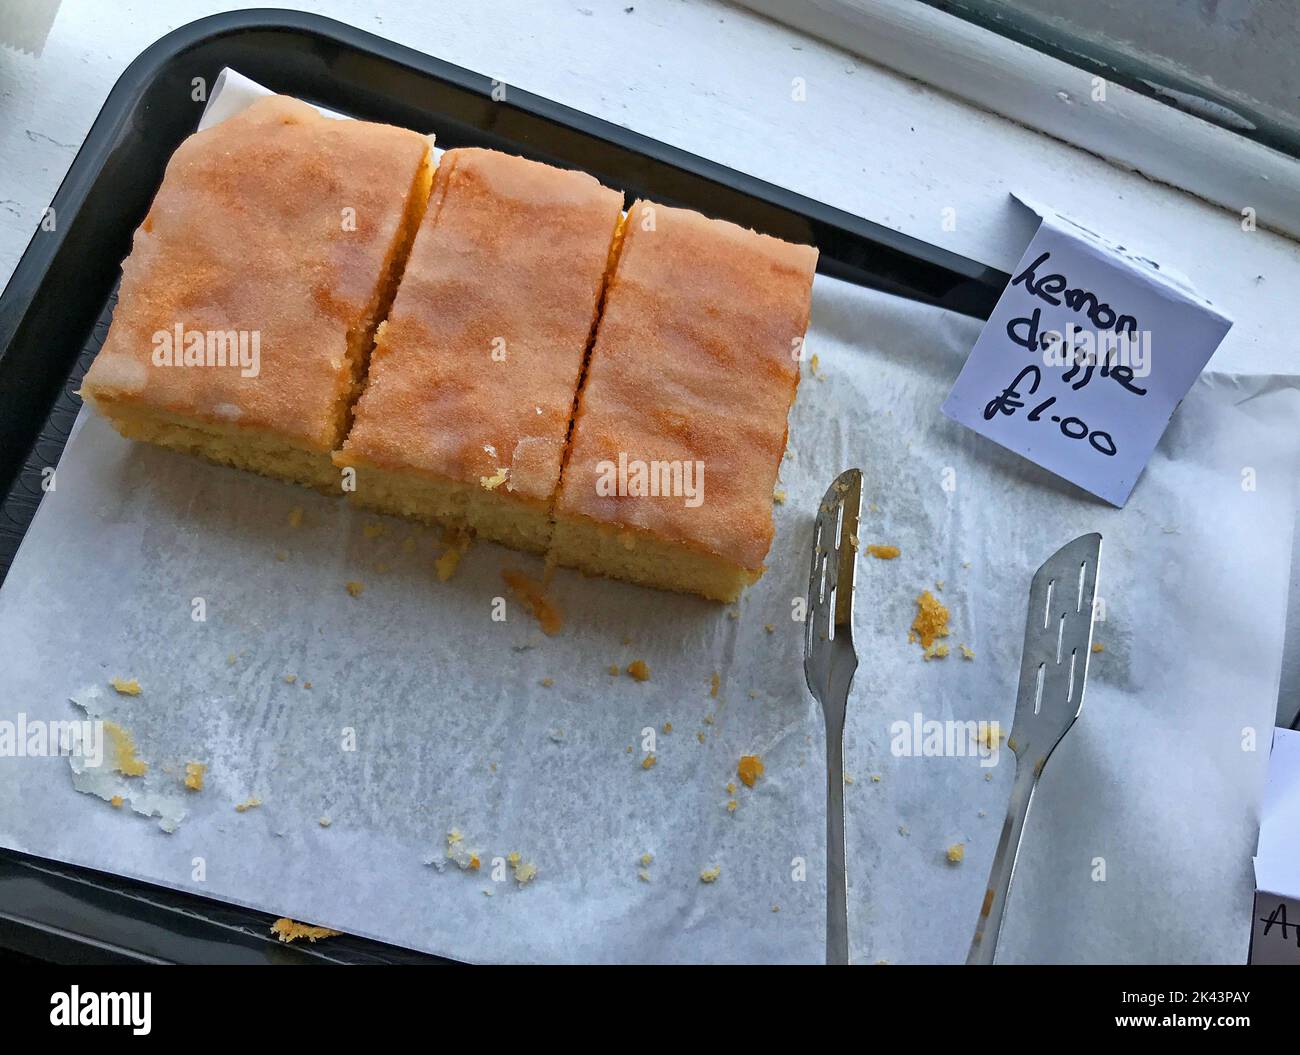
[(54, 296), (54, 302)]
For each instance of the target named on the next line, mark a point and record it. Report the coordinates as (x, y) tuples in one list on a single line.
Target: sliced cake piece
[(681, 424), (248, 304), (472, 381)]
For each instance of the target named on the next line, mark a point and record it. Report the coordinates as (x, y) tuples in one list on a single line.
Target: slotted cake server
[(829, 662), (1053, 674)]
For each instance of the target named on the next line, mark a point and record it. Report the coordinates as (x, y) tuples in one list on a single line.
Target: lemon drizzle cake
[(248, 304), (472, 381), (681, 422)]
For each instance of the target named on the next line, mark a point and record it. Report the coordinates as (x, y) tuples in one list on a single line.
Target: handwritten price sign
[(1084, 359)]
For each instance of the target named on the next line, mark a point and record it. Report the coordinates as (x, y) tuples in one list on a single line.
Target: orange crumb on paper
[(648, 761), (710, 875), (116, 801), (356, 589), (287, 930), (125, 686), (931, 622), (749, 769), (883, 552), (1098, 647), (638, 669), (715, 683), (123, 752), (194, 772), (956, 853), (532, 596), (458, 544), (247, 804)]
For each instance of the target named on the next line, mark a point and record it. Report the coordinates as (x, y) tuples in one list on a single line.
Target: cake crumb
[(647, 859), (295, 517), (491, 483), (354, 587), (247, 805), (547, 682), (700, 737), (638, 670), (776, 908), (194, 772), (966, 653), (643, 875), (876, 778), (1097, 646), (749, 769), (457, 543), (710, 875), (116, 801), (936, 651), (122, 748), (814, 367), (287, 930), (668, 727), (938, 584), (715, 683), (883, 552), (532, 596), (778, 496), (325, 822), (956, 853), (931, 621), (648, 761), (289, 679), (614, 670), (125, 686), (732, 805), (525, 871), (769, 628)]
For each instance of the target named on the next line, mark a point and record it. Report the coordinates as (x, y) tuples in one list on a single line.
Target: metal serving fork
[(1053, 672), (829, 662)]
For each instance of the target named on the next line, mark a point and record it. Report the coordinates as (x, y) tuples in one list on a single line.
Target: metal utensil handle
[(837, 887), (984, 946)]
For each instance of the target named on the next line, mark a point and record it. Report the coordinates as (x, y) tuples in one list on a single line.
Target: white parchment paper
[(454, 729)]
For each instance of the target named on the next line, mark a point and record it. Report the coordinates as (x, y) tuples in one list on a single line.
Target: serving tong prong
[(1053, 675), (829, 662)]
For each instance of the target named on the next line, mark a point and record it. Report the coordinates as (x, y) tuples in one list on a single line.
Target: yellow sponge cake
[(248, 304), (472, 381), (681, 423)]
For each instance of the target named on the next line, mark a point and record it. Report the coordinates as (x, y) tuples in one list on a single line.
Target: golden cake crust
[(249, 232), (474, 373), (694, 360)]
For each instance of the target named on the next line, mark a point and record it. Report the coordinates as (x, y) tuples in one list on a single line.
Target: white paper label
[(1275, 932), (1084, 358)]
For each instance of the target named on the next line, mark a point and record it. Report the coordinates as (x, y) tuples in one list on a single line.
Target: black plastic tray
[(55, 310)]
